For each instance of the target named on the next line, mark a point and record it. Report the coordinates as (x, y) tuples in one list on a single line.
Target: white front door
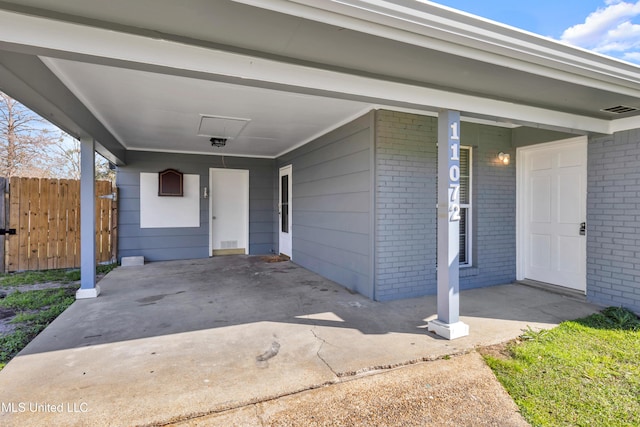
[(229, 211), (553, 213), (284, 211)]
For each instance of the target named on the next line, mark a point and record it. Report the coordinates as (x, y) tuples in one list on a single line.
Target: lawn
[(35, 277), (584, 372), (34, 311), (26, 310)]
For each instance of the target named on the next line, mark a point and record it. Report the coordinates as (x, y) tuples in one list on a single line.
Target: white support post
[(88, 288), (448, 324)]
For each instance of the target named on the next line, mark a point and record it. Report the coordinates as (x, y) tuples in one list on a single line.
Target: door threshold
[(571, 293), (225, 252)]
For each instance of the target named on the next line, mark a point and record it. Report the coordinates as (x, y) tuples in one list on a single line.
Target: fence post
[(114, 224), (4, 207)]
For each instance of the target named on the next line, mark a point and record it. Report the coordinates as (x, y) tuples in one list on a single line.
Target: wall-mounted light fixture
[(205, 193), (504, 158)]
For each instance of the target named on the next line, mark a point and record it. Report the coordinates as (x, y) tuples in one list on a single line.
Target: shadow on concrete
[(176, 340), (165, 298)]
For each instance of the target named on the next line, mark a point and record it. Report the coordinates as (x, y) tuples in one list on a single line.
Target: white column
[(88, 288), (448, 324)]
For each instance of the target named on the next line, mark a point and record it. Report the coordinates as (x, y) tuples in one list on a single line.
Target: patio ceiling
[(139, 75), (158, 112)]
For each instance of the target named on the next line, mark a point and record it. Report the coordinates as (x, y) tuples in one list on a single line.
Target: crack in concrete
[(255, 402), (323, 342), (376, 369), (340, 378)]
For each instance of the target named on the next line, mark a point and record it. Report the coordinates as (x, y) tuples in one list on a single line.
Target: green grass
[(35, 310), (11, 344), (33, 277), (582, 373), (57, 276), (38, 299)]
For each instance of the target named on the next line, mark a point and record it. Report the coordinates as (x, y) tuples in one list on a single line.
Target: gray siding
[(331, 205), (613, 223), (157, 244), (406, 197)]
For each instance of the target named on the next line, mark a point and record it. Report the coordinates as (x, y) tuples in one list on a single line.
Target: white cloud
[(632, 56), (609, 30), (625, 37)]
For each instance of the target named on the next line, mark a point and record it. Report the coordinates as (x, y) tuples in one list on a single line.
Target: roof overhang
[(116, 75), (433, 26)]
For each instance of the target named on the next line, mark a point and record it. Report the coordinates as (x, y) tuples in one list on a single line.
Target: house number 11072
[(454, 174)]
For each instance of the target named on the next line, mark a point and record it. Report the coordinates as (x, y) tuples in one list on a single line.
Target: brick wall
[(613, 221), (406, 156), (494, 207), (406, 197)]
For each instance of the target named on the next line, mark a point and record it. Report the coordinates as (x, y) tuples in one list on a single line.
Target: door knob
[(583, 228)]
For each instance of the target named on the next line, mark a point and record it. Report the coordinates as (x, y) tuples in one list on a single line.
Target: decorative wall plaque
[(170, 183)]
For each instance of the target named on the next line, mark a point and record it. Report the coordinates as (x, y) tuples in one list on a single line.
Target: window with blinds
[(465, 206)]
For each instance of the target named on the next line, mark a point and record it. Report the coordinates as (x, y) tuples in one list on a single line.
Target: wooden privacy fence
[(44, 214)]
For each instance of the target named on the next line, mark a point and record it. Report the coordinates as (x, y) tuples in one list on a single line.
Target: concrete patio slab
[(170, 341)]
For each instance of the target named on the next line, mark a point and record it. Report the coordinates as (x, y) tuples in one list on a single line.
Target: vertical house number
[(454, 174)]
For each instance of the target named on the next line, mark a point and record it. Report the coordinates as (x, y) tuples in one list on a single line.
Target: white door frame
[(245, 203), (521, 197), (285, 170)]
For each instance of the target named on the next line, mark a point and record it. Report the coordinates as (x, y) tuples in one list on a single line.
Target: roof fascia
[(437, 27), (58, 39), (629, 123)]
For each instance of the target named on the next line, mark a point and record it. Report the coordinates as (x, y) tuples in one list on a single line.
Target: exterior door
[(554, 213), (229, 211), (284, 211)]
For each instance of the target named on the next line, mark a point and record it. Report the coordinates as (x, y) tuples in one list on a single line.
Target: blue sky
[(610, 27)]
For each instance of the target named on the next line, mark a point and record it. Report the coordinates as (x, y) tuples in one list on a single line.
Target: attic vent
[(221, 127), (620, 109)]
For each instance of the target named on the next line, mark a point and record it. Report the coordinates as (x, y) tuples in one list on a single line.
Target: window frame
[(469, 213)]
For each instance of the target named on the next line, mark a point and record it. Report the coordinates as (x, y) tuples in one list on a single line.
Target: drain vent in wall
[(620, 109)]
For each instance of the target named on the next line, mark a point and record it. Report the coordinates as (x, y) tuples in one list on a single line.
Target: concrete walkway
[(174, 341)]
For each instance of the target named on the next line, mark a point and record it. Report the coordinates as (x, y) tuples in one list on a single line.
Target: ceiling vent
[(620, 109), (221, 127)]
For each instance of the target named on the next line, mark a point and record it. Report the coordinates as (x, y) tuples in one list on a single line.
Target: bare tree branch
[(31, 147), (28, 143)]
